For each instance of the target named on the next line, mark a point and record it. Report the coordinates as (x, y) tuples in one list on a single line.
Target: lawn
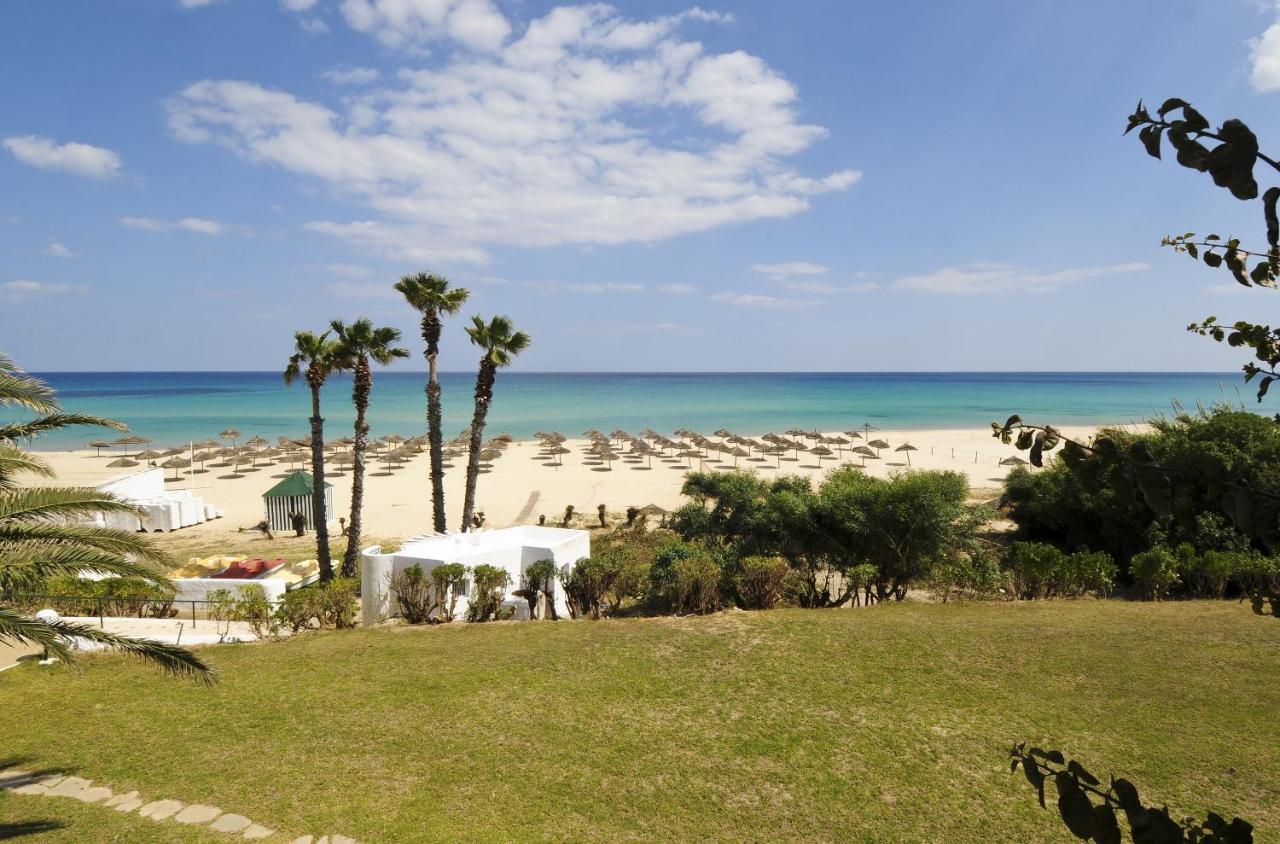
[(882, 724)]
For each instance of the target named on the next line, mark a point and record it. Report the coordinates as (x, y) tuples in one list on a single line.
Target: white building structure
[(162, 509), (513, 549)]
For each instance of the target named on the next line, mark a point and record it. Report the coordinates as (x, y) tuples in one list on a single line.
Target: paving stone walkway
[(161, 811)]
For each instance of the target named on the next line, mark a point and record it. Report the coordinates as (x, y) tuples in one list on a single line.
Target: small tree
[(447, 581), (490, 589), (539, 581), (759, 581), (587, 584), (414, 595)]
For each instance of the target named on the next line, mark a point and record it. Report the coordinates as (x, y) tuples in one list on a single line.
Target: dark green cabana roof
[(299, 483)]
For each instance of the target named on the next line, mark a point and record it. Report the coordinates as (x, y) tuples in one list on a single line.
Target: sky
[(656, 186)]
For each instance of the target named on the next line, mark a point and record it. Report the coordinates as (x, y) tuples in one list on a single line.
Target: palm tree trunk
[(484, 396), (319, 515), (431, 333), (363, 382)]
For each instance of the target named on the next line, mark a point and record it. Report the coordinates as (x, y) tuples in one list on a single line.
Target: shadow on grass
[(11, 777)]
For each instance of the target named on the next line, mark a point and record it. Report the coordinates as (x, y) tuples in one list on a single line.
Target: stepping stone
[(161, 809), (70, 787), (94, 795), (230, 823), (303, 839), (121, 798), (31, 788), (196, 813), (128, 805), (256, 831), (341, 839)]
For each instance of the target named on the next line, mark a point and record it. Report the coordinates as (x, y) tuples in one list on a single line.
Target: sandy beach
[(524, 484)]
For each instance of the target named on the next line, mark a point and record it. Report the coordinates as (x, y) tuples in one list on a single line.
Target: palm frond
[(136, 545), (25, 565), (45, 502), (15, 461), (54, 422), (57, 637), (20, 390)]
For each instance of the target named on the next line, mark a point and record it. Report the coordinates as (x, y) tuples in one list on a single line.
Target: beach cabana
[(293, 495)]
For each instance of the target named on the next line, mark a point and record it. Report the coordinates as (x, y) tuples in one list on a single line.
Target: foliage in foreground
[(1089, 821), (40, 539)]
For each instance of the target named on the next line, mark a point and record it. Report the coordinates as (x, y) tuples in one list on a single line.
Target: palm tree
[(315, 358), (431, 296), (359, 343), (500, 343), (36, 543)]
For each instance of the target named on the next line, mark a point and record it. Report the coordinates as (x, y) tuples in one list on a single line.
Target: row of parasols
[(392, 451), (604, 449), (691, 445)]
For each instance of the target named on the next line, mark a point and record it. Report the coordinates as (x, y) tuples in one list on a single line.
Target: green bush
[(1090, 572), (758, 581), (253, 607), (1154, 572), (335, 602), (490, 584), (539, 581), (973, 575), (296, 609), (414, 596), (586, 586), (1040, 570), (697, 584), (448, 581)]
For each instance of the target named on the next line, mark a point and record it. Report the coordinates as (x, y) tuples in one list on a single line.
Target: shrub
[(974, 575), (254, 608), (490, 588), (1154, 572), (221, 608), (1090, 572), (1033, 566), (335, 602), (539, 580), (697, 584), (448, 581), (586, 585), (759, 581), (296, 609), (414, 595)]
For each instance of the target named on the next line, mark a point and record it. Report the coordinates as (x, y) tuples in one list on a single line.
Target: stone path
[(173, 811)]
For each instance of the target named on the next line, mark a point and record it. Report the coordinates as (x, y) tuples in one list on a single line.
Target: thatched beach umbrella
[(877, 445), (907, 448), (132, 439), (231, 434), (1015, 460), (865, 452), (822, 451), (149, 454), (99, 445), (176, 463), (122, 463)]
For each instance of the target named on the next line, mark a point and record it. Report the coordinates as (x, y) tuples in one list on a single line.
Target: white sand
[(521, 486)]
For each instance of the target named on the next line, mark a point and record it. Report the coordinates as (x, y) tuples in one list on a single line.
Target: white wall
[(198, 588)]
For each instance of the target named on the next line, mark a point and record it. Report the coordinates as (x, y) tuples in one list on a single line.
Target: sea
[(172, 408), (176, 407)]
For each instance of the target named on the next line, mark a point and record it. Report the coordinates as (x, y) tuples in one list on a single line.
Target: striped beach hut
[(293, 495)]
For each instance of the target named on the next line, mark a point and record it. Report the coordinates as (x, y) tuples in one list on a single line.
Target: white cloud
[(676, 289), (349, 270), (347, 75), (48, 154), (368, 290), (299, 5), (474, 23), (1003, 278), (190, 224), (56, 249), (23, 289), (196, 4), (584, 287), (1264, 54), (760, 300), (314, 26), (587, 128), (790, 268)]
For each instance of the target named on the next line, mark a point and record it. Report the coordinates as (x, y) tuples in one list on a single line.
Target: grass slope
[(885, 724)]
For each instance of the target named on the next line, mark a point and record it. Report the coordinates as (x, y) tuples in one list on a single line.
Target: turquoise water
[(174, 407)]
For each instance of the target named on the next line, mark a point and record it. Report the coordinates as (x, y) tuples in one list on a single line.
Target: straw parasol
[(176, 463), (822, 451), (1015, 460), (907, 448), (122, 463), (148, 455), (877, 445), (865, 452), (99, 445), (132, 439), (256, 442), (231, 434)]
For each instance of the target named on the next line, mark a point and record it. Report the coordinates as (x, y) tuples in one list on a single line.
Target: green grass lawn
[(883, 724)]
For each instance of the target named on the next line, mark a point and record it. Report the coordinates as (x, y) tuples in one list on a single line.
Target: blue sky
[(648, 186)]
